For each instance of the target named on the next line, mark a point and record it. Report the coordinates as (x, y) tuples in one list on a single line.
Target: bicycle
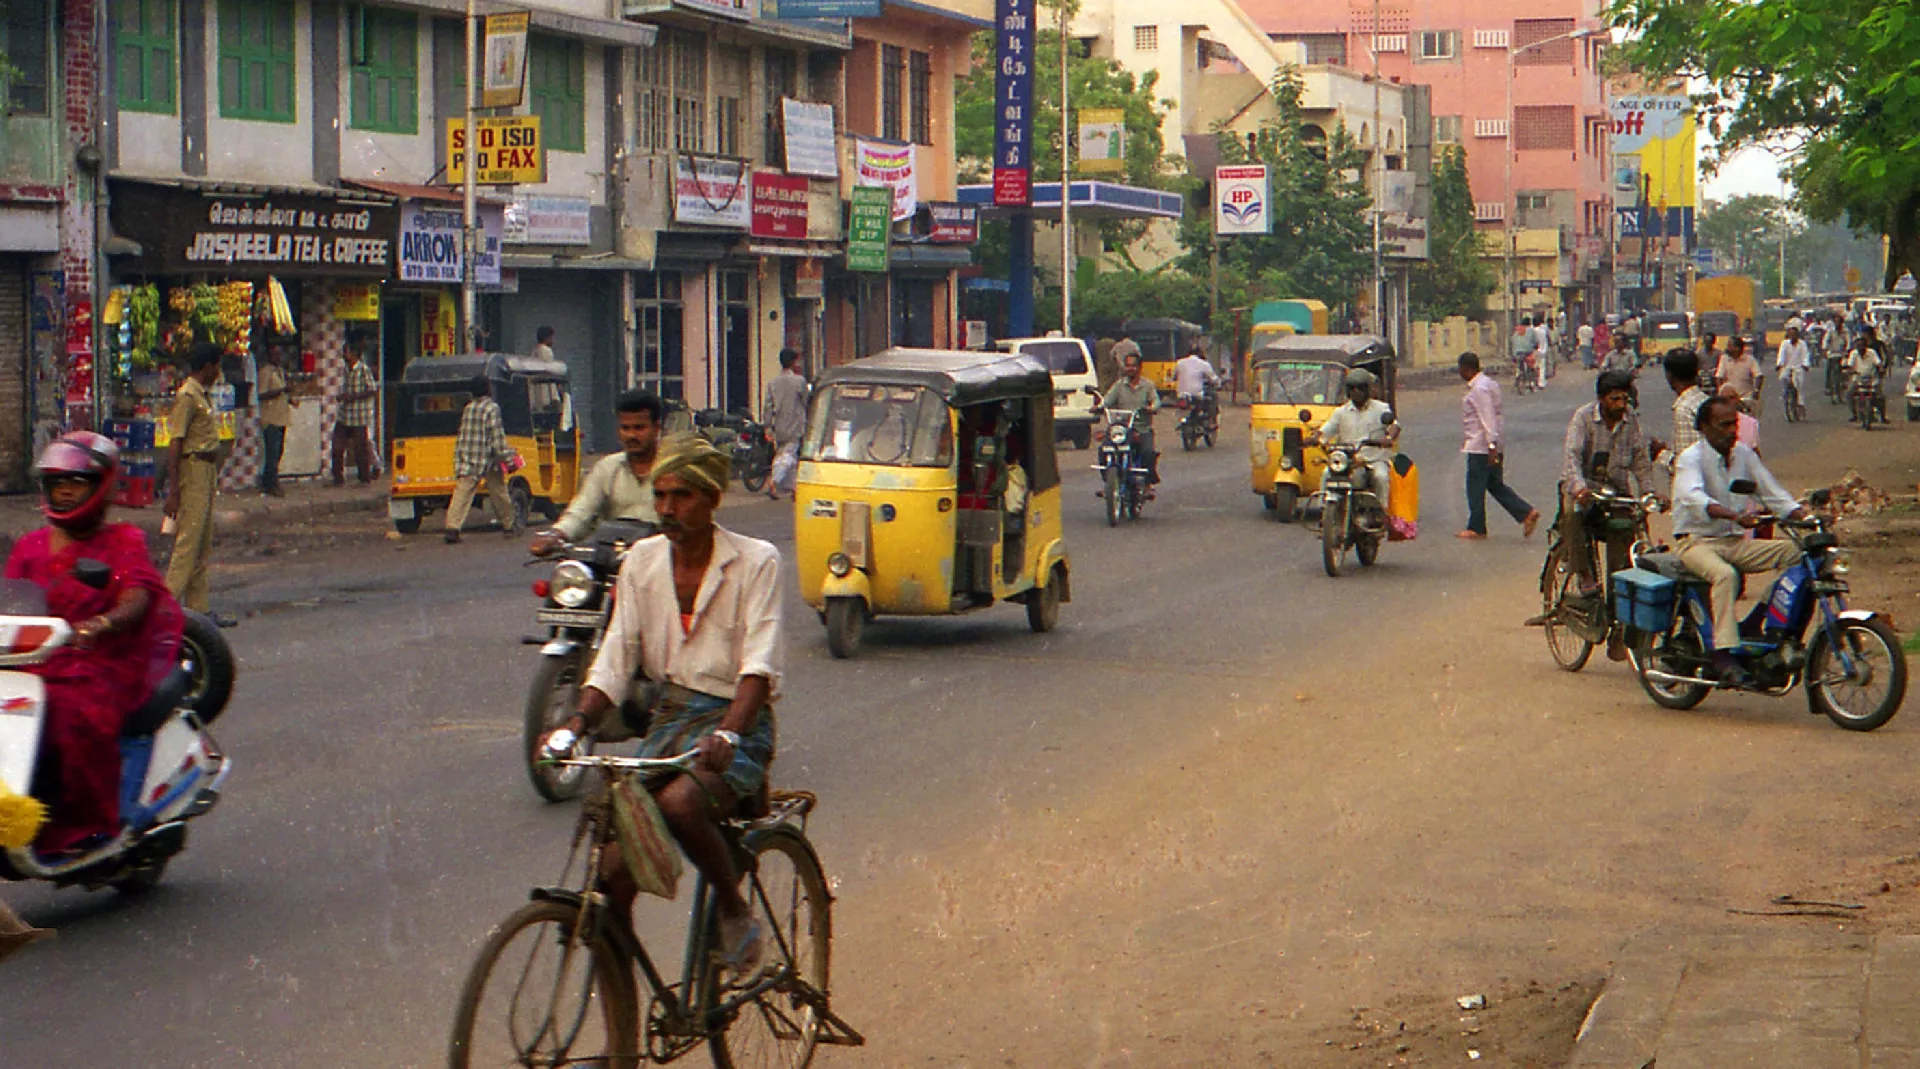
[(1576, 622), (574, 1000), (1790, 400)]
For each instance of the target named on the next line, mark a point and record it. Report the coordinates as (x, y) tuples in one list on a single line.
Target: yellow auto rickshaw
[(1296, 383), (536, 407), (1663, 332), (928, 486)]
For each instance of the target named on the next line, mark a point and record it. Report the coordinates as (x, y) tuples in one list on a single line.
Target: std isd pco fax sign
[(1241, 204)]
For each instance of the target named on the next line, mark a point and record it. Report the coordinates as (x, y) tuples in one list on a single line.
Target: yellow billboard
[(1659, 132), (508, 152)]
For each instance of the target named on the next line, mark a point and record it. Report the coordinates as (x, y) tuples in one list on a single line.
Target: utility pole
[(1066, 187), (1379, 183), (469, 248)]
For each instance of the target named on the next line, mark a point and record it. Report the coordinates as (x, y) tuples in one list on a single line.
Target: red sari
[(90, 692)]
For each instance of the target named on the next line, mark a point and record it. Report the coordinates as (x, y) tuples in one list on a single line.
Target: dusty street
[(1231, 813)]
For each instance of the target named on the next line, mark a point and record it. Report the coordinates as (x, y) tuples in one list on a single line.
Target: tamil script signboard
[(869, 228), (1013, 103), (189, 232), (889, 164)]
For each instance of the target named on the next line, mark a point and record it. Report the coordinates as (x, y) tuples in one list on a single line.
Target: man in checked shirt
[(1683, 377), (479, 450)]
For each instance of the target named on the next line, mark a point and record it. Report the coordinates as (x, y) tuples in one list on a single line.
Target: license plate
[(400, 508), (571, 617)]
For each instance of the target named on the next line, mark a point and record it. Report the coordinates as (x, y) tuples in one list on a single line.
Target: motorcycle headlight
[(1338, 462), (1840, 563), (572, 584), (1117, 434)]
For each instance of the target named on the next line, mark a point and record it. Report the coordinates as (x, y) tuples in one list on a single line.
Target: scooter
[(1801, 631), (171, 768)]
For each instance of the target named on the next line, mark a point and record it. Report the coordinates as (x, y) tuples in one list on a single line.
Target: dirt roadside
[(1316, 875)]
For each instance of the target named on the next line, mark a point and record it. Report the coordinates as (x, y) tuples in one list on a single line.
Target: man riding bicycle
[(620, 486), (1604, 451)]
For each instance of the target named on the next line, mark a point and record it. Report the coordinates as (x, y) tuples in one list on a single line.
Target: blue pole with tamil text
[(1020, 275)]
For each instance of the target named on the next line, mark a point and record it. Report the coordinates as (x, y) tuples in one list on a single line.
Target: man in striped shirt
[(355, 415)]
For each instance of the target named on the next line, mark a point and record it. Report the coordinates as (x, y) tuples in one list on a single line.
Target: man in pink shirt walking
[(1480, 422)]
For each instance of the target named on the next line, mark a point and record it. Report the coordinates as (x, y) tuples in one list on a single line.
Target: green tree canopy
[(1322, 241), (1453, 280), (1834, 85)]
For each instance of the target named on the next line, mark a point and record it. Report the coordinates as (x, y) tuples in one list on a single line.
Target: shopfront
[(253, 269)]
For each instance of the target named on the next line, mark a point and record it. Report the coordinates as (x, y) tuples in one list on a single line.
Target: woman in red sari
[(126, 639)]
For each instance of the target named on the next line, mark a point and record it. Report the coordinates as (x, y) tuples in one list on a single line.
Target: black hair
[(788, 358), (201, 355), (1469, 361), (1611, 381), (1736, 344), (543, 335), (1705, 411), (1682, 364), (642, 401)]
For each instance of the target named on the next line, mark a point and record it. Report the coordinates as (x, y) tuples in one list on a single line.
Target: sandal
[(742, 951)]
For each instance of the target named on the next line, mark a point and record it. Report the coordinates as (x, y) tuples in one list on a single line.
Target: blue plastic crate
[(1644, 600)]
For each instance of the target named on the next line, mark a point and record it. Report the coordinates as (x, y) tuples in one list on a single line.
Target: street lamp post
[(1507, 209)]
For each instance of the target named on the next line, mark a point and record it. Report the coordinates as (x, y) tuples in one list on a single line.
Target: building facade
[(1554, 139)]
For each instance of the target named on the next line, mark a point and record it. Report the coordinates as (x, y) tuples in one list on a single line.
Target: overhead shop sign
[(779, 206), (952, 224), (824, 9), (807, 130), (711, 191), (430, 242), (508, 151), (185, 231), (549, 220)]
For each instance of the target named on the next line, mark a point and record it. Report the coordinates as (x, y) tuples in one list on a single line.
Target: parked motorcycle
[(748, 441), (576, 606), (1352, 513), (171, 768), (1801, 631), (1200, 421), (1125, 478)]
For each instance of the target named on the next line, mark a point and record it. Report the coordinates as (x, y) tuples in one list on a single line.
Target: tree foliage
[(1833, 85), (1454, 280), (1322, 242), (1112, 297)]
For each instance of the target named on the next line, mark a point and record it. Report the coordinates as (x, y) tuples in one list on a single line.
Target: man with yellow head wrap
[(697, 614)]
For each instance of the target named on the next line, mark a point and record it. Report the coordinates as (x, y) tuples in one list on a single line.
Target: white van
[(1072, 368)]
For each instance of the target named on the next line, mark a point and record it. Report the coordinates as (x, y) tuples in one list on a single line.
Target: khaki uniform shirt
[(192, 421), (275, 411)]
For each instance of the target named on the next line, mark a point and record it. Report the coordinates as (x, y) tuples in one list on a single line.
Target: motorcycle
[(1200, 422), (749, 441), (171, 768), (1124, 474), (576, 606), (1801, 631), (1352, 514), (1865, 392)]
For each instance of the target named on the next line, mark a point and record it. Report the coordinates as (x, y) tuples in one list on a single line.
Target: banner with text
[(712, 191), (889, 164), (1013, 103)]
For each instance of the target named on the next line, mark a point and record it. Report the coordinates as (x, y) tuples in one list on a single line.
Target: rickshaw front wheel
[(1043, 604), (407, 526), (1285, 500), (846, 621)]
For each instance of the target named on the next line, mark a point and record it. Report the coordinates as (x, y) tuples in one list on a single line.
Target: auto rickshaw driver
[(1363, 420)]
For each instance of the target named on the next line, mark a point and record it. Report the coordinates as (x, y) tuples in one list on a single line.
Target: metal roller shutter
[(16, 423)]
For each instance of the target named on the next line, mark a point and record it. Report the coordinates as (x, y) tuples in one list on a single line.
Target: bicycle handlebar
[(682, 763)]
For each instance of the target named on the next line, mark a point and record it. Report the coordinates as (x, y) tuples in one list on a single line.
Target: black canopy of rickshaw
[(451, 380), (498, 366), (959, 377)]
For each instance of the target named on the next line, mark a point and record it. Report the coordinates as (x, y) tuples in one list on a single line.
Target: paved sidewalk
[(1812, 997)]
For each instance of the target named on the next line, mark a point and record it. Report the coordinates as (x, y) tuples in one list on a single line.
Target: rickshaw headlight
[(1286, 462), (1840, 563), (840, 565), (572, 584), (1338, 462), (1117, 434)]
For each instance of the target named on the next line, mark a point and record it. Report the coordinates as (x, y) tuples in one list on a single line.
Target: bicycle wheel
[(788, 894), (1562, 584), (537, 996)]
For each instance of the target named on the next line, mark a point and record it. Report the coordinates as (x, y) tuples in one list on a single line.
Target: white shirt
[(1701, 478), (1192, 375), (1540, 340), (1584, 334), (736, 620), (1793, 354), (1349, 425)]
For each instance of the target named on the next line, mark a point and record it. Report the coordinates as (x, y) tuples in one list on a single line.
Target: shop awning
[(1091, 200), (935, 11)]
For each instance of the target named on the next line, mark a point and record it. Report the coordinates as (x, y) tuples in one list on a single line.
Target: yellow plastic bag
[(20, 819), (652, 856), (1403, 500)]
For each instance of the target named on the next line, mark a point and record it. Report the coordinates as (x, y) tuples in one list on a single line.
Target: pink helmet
[(86, 454)]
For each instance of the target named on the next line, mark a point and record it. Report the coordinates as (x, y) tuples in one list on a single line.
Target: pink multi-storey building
[(1557, 203)]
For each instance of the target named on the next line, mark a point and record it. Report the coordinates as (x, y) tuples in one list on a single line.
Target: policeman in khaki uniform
[(192, 464)]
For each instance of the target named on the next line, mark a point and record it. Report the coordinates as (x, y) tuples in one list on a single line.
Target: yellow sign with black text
[(508, 151)]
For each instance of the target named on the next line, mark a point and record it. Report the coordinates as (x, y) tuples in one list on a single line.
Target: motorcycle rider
[(1710, 521), (1603, 447), (1361, 420), (620, 487), (1863, 367), (126, 639), (1195, 381), (1134, 394)]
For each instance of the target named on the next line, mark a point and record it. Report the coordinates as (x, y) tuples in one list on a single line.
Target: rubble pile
[(1853, 496)]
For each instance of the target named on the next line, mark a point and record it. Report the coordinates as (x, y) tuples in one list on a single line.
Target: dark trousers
[(1485, 477), (347, 438), (273, 442)]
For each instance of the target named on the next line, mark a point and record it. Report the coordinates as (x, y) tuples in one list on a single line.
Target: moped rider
[(1362, 419), (620, 487), (1863, 367), (1195, 382), (1134, 394), (126, 639), (1710, 521)]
